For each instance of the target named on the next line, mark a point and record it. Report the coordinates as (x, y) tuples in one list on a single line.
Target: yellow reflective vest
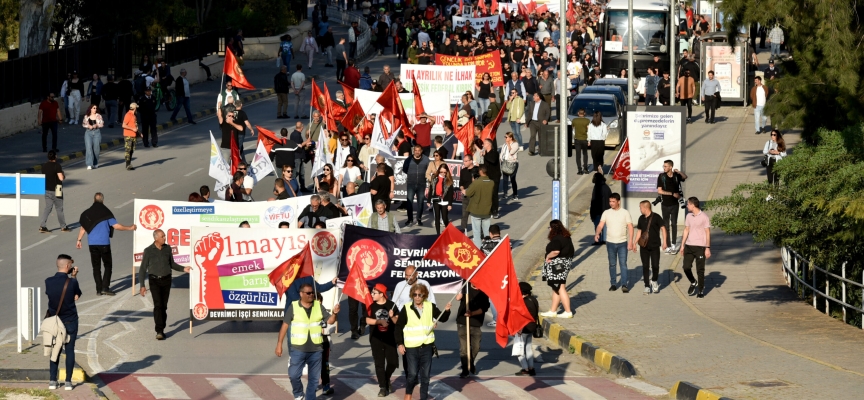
[(303, 326), (418, 331)]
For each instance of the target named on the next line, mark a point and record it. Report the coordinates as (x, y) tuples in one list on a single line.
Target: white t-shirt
[(760, 96), (402, 293), (248, 183), (616, 224), (349, 174)]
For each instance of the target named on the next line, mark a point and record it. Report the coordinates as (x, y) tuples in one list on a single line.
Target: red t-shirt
[(423, 133), (49, 111)]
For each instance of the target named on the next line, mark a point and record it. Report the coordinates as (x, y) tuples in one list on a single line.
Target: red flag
[(355, 286), (465, 134), (491, 129), (455, 117), (418, 102), (532, 6), (482, 5), (354, 116), (540, 10), (298, 266), (571, 13), (349, 93), (235, 155), (486, 27), (495, 8), (367, 127), (621, 166), (456, 251), (268, 137), (523, 11), (232, 69), (496, 276), (318, 100), (333, 110), (391, 102), (460, 7), (500, 29)]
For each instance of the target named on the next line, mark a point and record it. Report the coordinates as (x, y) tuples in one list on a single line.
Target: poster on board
[(400, 192), (728, 65), (455, 80), (655, 136)]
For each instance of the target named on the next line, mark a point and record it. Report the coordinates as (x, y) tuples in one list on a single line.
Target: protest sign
[(489, 62), (479, 24), (455, 80)]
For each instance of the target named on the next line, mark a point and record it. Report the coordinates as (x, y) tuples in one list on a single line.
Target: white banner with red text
[(454, 80)]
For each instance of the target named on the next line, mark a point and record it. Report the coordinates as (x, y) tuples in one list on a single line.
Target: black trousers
[(465, 213), (650, 255), (696, 253), (101, 255), (441, 213), (386, 360), (670, 221), (689, 104), (772, 176), (149, 126), (581, 154), (340, 68), (160, 289), (598, 148), (357, 322), (710, 107), (325, 360), (495, 197), (52, 126)]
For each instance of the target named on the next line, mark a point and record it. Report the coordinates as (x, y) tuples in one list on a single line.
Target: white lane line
[(125, 204), (643, 387), (573, 390), (190, 174), (362, 386), (38, 243), (233, 389), (507, 390), (443, 391), (163, 186), (162, 387)]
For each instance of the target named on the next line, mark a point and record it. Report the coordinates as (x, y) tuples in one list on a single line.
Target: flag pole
[(467, 325)]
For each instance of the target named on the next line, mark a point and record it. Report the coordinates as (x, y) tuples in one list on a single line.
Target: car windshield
[(603, 89), (650, 31), (606, 107)]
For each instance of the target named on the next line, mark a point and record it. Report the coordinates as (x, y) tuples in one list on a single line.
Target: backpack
[(139, 84)]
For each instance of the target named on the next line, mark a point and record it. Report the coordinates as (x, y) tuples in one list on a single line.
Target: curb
[(604, 359), (688, 391), (78, 374), (159, 128)]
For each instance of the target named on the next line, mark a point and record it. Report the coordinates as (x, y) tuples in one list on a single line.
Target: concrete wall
[(266, 48), (23, 117)]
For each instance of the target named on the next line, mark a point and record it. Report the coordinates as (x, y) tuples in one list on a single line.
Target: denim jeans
[(650, 100), (52, 126), (286, 60), (67, 108), (111, 113), (484, 106), (526, 359), (72, 333), (299, 173), (759, 118), (480, 228), (186, 105), (617, 251), (418, 368), (419, 190), (92, 139), (775, 49), (517, 132), (295, 372)]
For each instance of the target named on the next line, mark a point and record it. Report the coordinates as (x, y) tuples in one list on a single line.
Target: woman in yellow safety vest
[(415, 337)]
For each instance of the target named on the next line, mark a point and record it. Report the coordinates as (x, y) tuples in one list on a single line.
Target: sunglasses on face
[(417, 295), (308, 293), (326, 170), (773, 134), (289, 171)]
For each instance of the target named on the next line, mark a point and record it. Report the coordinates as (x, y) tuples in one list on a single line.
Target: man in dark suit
[(537, 113), (183, 95), (147, 115)]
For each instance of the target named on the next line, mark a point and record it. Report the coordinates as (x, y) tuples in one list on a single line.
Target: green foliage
[(8, 25), (822, 85)]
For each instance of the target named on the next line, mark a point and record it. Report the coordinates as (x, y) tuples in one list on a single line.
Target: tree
[(821, 86), (8, 25), (35, 21), (202, 10)]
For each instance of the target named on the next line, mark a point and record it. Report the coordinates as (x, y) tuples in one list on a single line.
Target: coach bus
[(651, 19)]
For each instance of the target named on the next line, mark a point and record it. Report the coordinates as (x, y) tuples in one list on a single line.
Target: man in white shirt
[(402, 292), (758, 97), (248, 181), (224, 98), (619, 231), (298, 85)]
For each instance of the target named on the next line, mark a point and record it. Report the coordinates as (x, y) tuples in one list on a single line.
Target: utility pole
[(673, 55), (630, 28), (562, 114)]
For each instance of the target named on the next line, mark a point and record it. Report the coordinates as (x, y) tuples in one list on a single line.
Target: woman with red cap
[(382, 322)]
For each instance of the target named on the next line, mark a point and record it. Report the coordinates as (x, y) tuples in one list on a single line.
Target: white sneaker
[(521, 148), (89, 167), (647, 290), (549, 314), (565, 315), (668, 250), (655, 286), (492, 323)]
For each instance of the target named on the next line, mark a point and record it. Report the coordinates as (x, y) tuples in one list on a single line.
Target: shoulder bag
[(507, 167), (764, 161), (538, 330), (643, 240)]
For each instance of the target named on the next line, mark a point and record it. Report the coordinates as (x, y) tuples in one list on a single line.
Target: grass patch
[(6, 392)]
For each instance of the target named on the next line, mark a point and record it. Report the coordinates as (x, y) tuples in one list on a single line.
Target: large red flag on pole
[(491, 129), (496, 276), (349, 93), (268, 137), (232, 69), (621, 166), (456, 251), (298, 266), (391, 102), (418, 102), (318, 100), (356, 287), (465, 134), (235, 154), (353, 117)]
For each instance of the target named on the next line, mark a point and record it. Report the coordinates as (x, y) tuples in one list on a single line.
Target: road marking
[(507, 390), (162, 387), (38, 243), (190, 174), (3, 334), (443, 391), (362, 386), (163, 186), (233, 389), (643, 387), (573, 390), (125, 204)]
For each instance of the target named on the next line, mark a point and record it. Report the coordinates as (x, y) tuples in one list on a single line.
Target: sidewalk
[(29, 370), (749, 337)]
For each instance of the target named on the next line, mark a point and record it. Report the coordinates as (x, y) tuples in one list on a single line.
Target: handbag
[(507, 167), (764, 161), (643, 240), (559, 265)]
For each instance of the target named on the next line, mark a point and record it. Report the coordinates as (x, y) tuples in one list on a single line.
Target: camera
[(657, 200)]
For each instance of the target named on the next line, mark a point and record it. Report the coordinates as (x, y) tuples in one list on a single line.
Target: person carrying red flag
[(456, 251), (382, 340), (526, 336), (232, 69), (296, 271), (472, 311)]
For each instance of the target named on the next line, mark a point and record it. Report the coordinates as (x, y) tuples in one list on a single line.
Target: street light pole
[(673, 56), (562, 113), (630, 28)]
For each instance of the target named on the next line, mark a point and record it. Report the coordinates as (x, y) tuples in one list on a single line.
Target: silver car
[(610, 109)]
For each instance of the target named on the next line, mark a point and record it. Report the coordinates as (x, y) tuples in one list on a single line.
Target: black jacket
[(448, 191), (281, 84), (468, 176), (147, 108), (599, 196), (492, 161), (179, 89)]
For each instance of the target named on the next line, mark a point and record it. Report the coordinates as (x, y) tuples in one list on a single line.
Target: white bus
[(650, 36)]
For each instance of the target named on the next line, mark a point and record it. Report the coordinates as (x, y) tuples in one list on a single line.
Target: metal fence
[(364, 42), (193, 47), (804, 277), (30, 79)]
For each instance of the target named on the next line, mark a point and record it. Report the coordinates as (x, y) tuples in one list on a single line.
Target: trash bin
[(548, 134)]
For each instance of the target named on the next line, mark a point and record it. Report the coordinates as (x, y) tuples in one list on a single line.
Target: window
[(650, 33)]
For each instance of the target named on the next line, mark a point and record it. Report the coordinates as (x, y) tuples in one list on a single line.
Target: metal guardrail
[(364, 42), (795, 266), (192, 48)]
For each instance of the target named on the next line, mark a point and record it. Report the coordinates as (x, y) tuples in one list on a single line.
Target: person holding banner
[(382, 338), (415, 338), (305, 318)]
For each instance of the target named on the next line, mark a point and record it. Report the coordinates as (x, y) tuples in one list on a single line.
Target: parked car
[(603, 89), (610, 109), (620, 83)]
